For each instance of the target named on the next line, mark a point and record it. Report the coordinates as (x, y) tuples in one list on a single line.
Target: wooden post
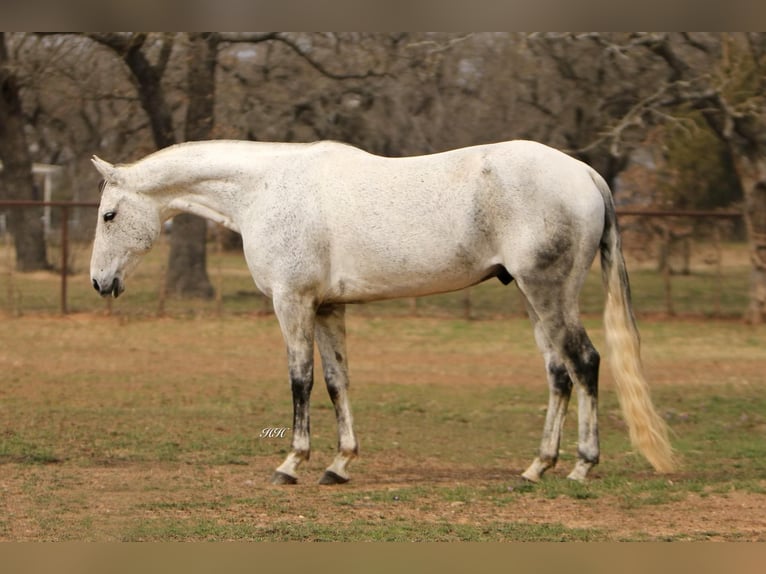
[(467, 310), (64, 256), (219, 272), (718, 269), (666, 273), (13, 307), (163, 290)]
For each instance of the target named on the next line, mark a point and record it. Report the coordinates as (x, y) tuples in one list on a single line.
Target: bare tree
[(575, 90), (723, 76), (75, 103), (393, 94), (656, 79), (16, 176)]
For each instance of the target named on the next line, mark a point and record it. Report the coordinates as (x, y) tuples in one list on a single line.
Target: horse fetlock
[(289, 467), (348, 448), (337, 472), (588, 454)]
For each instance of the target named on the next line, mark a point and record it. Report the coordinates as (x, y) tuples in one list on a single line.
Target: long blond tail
[(648, 431)]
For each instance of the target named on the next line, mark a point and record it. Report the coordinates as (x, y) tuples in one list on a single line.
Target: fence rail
[(467, 304), (65, 206), (704, 214)]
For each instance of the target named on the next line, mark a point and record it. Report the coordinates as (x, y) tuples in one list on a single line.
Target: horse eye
[(109, 215)]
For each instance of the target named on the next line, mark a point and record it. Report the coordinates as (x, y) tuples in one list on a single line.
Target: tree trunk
[(752, 174), (25, 224), (187, 262), (150, 91), (187, 272)]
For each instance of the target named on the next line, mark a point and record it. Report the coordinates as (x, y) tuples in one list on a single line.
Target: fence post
[(666, 272), (11, 288), (64, 255), (163, 287), (219, 271), (467, 306), (718, 269)]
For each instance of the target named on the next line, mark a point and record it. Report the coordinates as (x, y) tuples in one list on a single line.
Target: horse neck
[(204, 184)]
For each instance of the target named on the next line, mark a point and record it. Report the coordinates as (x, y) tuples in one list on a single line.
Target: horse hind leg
[(583, 364), (559, 392), (566, 345), (331, 341)]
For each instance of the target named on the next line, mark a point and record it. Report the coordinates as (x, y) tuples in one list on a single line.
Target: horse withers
[(327, 224)]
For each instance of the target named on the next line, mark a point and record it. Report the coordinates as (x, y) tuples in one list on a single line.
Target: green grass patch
[(359, 531)]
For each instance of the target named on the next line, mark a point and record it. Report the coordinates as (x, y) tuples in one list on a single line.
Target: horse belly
[(388, 274)]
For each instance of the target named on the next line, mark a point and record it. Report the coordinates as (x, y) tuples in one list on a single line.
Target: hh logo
[(274, 432)]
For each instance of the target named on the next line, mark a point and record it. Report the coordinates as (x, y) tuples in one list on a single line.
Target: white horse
[(326, 224)]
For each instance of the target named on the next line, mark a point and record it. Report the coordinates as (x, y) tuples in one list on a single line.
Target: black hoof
[(329, 477), (282, 478)]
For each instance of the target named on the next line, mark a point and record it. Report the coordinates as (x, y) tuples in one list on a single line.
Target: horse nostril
[(96, 286)]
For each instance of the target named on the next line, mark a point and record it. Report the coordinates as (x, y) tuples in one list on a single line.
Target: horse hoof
[(330, 477), (529, 478), (282, 478)]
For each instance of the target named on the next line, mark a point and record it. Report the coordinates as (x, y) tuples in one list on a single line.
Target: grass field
[(129, 427)]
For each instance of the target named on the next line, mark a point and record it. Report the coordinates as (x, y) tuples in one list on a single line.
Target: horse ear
[(106, 169)]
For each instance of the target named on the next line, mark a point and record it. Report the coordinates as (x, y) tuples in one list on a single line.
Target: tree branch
[(281, 38), (166, 48)]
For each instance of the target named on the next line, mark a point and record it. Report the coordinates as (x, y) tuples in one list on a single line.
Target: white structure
[(47, 171)]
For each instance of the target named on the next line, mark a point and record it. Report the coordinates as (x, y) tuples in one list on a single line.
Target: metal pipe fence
[(469, 304)]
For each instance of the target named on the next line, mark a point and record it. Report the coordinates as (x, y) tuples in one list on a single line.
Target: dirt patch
[(111, 503)]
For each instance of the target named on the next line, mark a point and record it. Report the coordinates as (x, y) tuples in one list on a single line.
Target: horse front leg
[(331, 341), (296, 319)]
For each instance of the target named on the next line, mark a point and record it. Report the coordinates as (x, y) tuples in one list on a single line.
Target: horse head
[(129, 223)]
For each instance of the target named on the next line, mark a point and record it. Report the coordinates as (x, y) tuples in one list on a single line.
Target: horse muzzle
[(115, 288)]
